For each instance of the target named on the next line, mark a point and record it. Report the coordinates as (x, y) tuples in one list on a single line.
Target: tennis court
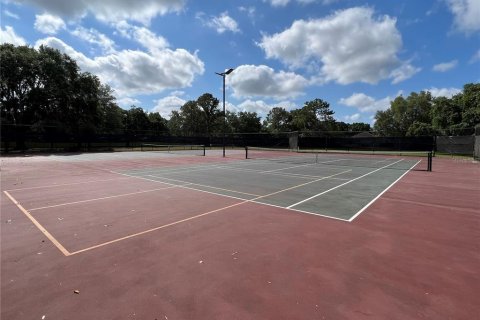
[(255, 208)]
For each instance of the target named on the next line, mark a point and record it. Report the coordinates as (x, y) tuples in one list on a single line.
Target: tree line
[(43, 88), (421, 114)]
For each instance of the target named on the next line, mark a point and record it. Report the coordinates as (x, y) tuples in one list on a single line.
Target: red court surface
[(163, 252)]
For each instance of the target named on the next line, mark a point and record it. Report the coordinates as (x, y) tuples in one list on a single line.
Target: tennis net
[(188, 149), (402, 160)]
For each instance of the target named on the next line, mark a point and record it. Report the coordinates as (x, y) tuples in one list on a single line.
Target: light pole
[(223, 75)]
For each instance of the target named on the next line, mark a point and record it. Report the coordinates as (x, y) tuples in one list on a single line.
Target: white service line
[(254, 200), (203, 185), (103, 198), (381, 193), (65, 184), (283, 174), (341, 185), (304, 165)]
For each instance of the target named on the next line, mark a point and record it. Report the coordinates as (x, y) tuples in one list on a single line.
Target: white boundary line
[(203, 168), (381, 193), (341, 185), (191, 218), (254, 199), (305, 165), (65, 184), (283, 174), (55, 242), (103, 198), (204, 185)]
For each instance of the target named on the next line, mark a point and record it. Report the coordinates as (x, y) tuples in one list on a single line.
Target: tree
[(445, 114), (420, 129), (18, 77), (249, 122), (175, 123), (111, 115), (471, 105), (314, 115), (278, 120), (359, 126), (385, 124), (304, 119), (322, 110), (232, 122), (190, 114), (157, 123), (137, 119), (209, 105), (403, 113)]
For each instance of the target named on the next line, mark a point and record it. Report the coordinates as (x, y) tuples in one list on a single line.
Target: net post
[(203, 150), (246, 152), (429, 166)]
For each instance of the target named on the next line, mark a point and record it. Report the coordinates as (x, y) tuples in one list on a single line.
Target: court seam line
[(283, 174), (200, 168), (298, 210), (39, 226), (243, 199), (184, 187), (204, 185), (156, 228), (62, 185), (191, 218), (340, 185), (188, 169), (304, 165), (102, 198), (381, 193), (467, 211), (273, 193), (257, 196)]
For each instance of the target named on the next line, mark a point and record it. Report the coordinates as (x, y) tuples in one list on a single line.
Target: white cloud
[(261, 107), (443, 67), (278, 3), (352, 118), (94, 37), (221, 23), (350, 45), (367, 104), (404, 72), (127, 102), (283, 3), (475, 57), (262, 81), (250, 11), (11, 14), (443, 92), (131, 72), (48, 24), (150, 40), (110, 10), (166, 105), (8, 35), (466, 15), (143, 36), (177, 93)]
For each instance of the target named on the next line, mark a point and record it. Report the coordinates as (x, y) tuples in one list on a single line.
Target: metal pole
[(224, 116)]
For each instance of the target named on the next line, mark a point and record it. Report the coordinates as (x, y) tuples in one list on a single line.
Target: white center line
[(341, 185)]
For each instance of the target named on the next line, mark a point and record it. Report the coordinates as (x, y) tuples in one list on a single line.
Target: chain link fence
[(52, 139)]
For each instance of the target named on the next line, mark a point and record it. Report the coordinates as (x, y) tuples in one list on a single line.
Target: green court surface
[(332, 187)]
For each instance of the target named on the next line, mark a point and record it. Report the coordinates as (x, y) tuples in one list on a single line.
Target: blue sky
[(356, 55)]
